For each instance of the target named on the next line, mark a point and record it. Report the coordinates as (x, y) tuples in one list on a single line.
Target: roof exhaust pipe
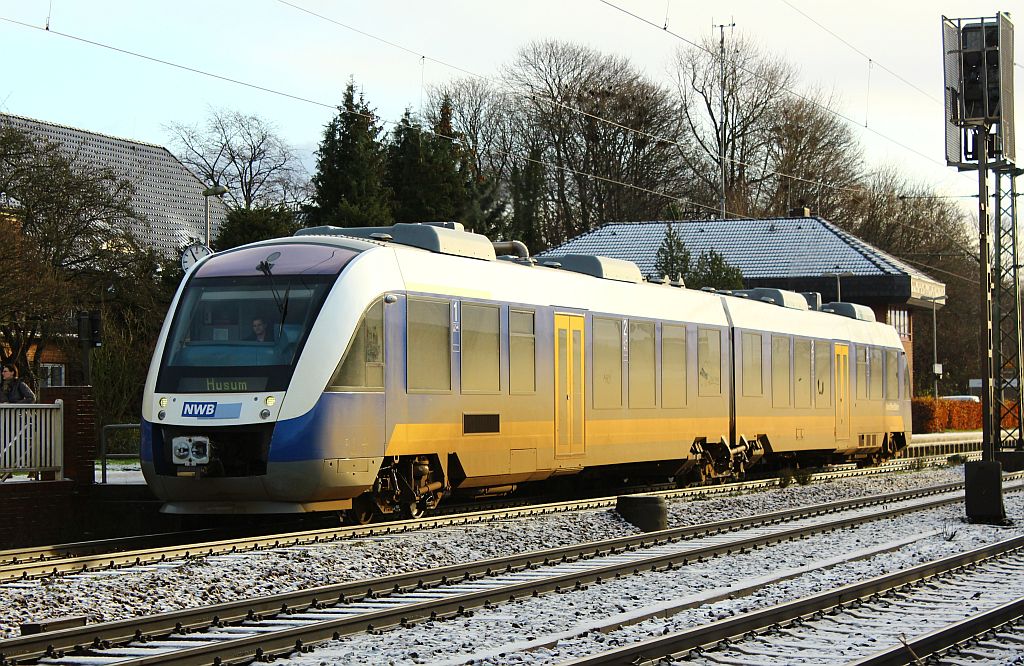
[(515, 247)]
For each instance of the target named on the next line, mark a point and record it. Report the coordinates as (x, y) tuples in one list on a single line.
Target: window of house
[(51, 374)]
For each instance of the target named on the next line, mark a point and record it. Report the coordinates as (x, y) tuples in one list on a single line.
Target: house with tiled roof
[(800, 253), (167, 194)]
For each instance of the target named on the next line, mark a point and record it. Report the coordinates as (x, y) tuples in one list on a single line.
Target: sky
[(80, 72)]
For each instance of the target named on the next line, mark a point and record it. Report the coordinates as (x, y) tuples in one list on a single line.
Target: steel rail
[(53, 644), (709, 635), (944, 639), (38, 562)]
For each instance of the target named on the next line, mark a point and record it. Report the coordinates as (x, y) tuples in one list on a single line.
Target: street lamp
[(215, 191), (936, 368), (837, 275)]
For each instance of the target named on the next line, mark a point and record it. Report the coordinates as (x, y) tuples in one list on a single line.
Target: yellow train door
[(569, 384), (842, 392)]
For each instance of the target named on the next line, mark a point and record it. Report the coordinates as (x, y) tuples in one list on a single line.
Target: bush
[(931, 415)]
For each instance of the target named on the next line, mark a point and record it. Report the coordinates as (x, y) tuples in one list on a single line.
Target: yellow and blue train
[(403, 364)]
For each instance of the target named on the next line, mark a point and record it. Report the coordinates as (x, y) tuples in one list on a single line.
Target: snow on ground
[(175, 585)]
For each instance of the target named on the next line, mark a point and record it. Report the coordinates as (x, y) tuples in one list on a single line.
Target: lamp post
[(936, 370), (215, 191), (837, 274)]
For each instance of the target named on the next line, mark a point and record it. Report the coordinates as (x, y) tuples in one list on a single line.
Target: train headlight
[(162, 415), (270, 400), (182, 451), (265, 414), (163, 402)]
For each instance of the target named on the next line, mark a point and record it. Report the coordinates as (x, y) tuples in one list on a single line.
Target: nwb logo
[(199, 409)]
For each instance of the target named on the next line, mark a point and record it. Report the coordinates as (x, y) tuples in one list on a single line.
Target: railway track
[(954, 606), (39, 562), (240, 632)]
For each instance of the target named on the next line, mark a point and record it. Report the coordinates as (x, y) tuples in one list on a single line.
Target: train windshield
[(241, 333)]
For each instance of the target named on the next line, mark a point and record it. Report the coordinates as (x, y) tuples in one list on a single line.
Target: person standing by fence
[(12, 389)]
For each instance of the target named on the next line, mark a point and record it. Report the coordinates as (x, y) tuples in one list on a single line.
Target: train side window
[(753, 380), (673, 366), (780, 371), (607, 363), (892, 375), (429, 345), (709, 362), (875, 370), (906, 375), (801, 373), (481, 348), (862, 372), (362, 366), (522, 350), (822, 374), (642, 379)]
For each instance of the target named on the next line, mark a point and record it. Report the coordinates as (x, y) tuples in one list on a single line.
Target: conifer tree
[(673, 259), (348, 187), (712, 270)]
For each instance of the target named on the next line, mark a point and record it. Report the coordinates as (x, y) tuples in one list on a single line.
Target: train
[(410, 363)]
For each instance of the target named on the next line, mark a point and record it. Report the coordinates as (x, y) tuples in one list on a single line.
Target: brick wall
[(81, 441), (37, 512)]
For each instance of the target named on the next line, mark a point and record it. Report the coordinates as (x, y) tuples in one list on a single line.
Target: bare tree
[(811, 159), (608, 135), (736, 123), (244, 153)]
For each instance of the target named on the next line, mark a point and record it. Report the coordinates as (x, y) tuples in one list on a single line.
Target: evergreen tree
[(713, 271), (250, 225), (673, 258), (425, 172), (526, 185), (348, 187)]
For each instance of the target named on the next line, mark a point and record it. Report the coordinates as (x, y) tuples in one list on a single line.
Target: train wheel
[(413, 509), (362, 512)]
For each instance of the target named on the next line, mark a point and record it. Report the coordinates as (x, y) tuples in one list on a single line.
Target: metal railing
[(31, 439)]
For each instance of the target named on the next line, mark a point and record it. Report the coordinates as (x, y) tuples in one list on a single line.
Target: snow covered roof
[(167, 194), (788, 252)]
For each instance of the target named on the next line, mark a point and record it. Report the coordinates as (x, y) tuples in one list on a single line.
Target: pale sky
[(275, 45)]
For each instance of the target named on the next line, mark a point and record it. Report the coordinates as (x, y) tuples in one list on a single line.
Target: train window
[(780, 371), (480, 349), (906, 376), (892, 375), (876, 373), (429, 345), (607, 363), (642, 378), (709, 362), (801, 373), (522, 350), (862, 372), (673, 366), (822, 374), (753, 381), (362, 367)]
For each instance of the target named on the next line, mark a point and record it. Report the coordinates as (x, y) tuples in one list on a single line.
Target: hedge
[(931, 415)]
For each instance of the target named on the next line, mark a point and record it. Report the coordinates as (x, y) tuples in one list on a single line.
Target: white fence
[(31, 439)]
